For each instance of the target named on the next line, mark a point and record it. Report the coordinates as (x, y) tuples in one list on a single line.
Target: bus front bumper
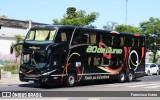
[(38, 78)]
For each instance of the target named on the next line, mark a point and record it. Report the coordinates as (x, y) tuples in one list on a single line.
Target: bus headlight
[(20, 72)]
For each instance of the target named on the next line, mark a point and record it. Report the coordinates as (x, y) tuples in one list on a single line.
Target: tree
[(152, 30), (151, 27), (77, 18), (110, 26), (18, 48), (128, 28), (4, 16), (113, 26)]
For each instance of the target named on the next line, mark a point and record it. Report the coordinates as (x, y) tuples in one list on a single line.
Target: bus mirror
[(13, 46)]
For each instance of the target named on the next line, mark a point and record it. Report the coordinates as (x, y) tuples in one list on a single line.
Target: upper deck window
[(41, 35), (84, 36)]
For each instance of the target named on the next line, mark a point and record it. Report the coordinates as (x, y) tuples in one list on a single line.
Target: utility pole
[(126, 12)]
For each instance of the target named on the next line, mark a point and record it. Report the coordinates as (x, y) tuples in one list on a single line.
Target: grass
[(13, 67)]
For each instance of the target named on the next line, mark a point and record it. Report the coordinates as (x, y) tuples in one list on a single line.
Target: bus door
[(60, 53), (78, 53)]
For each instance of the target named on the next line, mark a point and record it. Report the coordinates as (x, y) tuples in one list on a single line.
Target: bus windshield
[(34, 59), (40, 35)]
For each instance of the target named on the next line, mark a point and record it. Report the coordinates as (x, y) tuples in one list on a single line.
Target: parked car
[(151, 68), (159, 68)]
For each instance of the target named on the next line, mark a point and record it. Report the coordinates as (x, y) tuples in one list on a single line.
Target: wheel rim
[(71, 80), (130, 76), (122, 77), (157, 72), (148, 73)]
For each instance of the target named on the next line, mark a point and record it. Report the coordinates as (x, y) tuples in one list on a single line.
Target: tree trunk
[(154, 58), (16, 59)]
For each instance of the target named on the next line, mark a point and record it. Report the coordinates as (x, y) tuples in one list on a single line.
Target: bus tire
[(122, 77), (130, 76), (71, 79)]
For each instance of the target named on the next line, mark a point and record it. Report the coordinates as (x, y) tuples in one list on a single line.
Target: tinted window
[(107, 39), (128, 41), (65, 35), (141, 42), (116, 41), (153, 65), (93, 60), (82, 36), (136, 42)]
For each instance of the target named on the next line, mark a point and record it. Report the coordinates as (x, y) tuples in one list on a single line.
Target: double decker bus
[(71, 54)]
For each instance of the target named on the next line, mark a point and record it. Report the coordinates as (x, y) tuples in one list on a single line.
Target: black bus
[(71, 54)]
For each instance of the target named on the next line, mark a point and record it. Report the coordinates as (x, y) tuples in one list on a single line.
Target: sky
[(44, 11)]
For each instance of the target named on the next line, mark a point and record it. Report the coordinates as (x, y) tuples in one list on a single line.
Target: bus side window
[(80, 37), (128, 41), (136, 42), (122, 41), (141, 42), (93, 38), (65, 35), (116, 41), (105, 61), (98, 37), (94, 60), (107, 39)]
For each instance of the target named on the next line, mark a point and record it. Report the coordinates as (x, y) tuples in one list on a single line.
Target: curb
[(10, 83)]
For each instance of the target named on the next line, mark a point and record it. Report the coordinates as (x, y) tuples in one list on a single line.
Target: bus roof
[(91, 29), (52, 26)]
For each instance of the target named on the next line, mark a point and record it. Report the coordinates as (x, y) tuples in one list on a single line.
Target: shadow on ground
[(82, 84)]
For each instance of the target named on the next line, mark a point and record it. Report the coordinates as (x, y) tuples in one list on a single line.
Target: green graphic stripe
[(95, 49)]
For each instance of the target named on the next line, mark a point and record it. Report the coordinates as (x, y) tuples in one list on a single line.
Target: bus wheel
[(121, 77), (71, 79), (130, 76)]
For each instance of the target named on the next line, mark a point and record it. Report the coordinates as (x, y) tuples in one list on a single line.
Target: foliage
[(18, 48), (13, 68), (77, 18), (128, 28), (122, 28), (110, 26), (4, 16), (152, 29)]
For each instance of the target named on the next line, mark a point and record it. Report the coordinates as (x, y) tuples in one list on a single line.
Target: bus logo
[(103, 49), (34, 48)]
